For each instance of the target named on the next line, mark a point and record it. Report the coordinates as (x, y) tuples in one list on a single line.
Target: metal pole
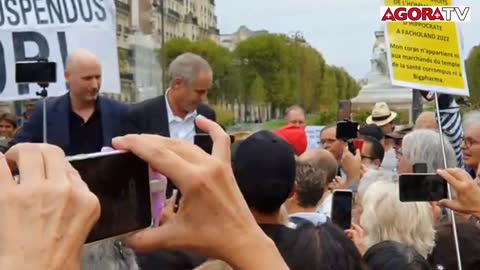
[(164, 52), (452, 214), (416, 105), (44, 101)]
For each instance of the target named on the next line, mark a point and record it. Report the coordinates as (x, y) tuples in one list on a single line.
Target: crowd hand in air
[(467, 200)]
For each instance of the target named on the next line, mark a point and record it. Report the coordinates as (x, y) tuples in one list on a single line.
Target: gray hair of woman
[(424, 146), (108, 255), (385, 217), (373, 176)]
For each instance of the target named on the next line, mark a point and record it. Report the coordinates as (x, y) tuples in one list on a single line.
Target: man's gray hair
[(108, 255), (187, 66), (294, 108), (471, 119), (424, 146)]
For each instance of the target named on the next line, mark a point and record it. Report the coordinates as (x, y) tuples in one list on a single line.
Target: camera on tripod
[(41, 72)]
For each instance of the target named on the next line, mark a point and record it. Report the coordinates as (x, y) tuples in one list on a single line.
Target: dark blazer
[(113, 114), (151, 117)]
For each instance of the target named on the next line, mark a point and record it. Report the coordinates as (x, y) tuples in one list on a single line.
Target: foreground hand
[(45, 219), (357, 235), (213, 218), (467, 191)]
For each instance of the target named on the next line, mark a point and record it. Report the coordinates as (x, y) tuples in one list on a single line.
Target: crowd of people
[(263, 202)]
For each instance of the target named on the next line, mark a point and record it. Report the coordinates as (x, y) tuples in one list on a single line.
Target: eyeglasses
[(469, 142)]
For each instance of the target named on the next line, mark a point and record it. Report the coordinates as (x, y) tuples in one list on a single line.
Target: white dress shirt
[(183, 129)]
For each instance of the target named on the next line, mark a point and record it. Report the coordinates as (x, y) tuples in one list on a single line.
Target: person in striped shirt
[(450, 122)]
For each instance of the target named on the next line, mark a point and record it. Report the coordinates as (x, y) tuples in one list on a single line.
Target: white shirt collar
[(172, 117)]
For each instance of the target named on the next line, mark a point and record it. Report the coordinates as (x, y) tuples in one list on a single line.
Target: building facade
[(231, 41), (140, 34)]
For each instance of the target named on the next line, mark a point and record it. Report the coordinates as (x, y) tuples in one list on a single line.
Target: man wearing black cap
[(264, 167)]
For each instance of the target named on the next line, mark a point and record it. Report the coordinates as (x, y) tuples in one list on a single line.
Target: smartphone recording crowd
[(375, 195)]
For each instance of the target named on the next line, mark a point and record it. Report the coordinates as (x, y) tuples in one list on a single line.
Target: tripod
[(44, 94)]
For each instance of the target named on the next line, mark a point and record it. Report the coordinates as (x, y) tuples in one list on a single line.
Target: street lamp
[(163, 62)]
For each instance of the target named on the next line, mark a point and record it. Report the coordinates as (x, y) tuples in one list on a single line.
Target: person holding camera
[(80, 121)]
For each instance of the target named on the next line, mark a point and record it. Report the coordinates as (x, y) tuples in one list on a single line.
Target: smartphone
[(35, 72), (121, 182), (205, 142), (347, 130), (358, 143), (344, 110), (342, 208), (420, 168), (422, 187)]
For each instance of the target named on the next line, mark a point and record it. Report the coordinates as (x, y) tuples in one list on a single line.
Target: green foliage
[(224, 117), (473, 74), (273, 124), (270, 70), (324, 118), (361, 115)]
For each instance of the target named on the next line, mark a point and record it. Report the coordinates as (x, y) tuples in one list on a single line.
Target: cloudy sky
[(342, 30)]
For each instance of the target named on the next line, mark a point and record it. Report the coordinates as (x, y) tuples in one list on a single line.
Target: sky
[(342, 30)]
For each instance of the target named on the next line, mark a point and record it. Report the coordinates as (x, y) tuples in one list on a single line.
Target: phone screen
[(342, 208), (347, 130), (36, 72), (121, 183), (422, 188)]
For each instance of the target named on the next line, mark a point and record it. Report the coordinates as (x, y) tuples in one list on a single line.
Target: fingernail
[(200, 116)]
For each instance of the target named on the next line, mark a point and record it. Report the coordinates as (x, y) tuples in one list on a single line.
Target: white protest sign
[(313, 136), (51, 29)]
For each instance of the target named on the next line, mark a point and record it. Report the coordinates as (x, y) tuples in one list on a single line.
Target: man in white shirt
[(173, 115)]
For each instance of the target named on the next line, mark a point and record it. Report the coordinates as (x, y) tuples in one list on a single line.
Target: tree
[(473, 74), (268, 71)]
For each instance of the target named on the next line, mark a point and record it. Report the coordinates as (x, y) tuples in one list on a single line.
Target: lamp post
[(161, 6), (297, 36)]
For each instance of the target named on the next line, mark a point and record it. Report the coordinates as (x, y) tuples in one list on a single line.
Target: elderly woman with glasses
[(471, 143)]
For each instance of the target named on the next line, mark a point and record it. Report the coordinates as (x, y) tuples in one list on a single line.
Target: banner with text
[(51, 29), (426, 55)]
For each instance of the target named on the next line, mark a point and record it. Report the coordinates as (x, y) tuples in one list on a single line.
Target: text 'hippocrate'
[(425, 14)]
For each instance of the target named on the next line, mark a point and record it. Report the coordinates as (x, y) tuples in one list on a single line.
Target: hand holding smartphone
[(342, 208), (121, 183), (347, 131)]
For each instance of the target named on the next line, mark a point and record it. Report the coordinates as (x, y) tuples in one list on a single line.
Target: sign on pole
[(424, 45), (33, 29)]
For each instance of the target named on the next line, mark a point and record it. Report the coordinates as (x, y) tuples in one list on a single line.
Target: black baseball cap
[(372, 131), (264, 167)]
